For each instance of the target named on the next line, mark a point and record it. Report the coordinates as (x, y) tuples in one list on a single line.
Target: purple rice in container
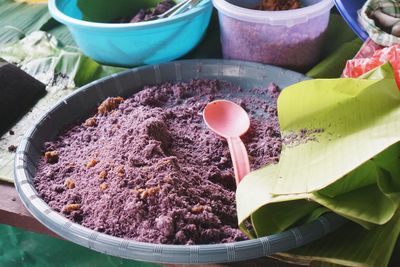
[(289, 38)]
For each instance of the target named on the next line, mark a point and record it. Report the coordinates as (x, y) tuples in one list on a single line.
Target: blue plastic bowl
[(132, 44), (348, 9)]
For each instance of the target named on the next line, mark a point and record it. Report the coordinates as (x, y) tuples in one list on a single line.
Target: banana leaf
[(62, 70), (337, 34), (357, 119), (373, 247), (19, 19), (341, 45), (349, 166), (60, 32), (333, 65), (41, 56)]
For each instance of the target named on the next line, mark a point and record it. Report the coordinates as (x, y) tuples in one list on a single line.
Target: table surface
[(14, 213)]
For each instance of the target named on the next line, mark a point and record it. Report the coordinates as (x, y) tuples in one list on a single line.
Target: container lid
[(235, 9), (349, 11)]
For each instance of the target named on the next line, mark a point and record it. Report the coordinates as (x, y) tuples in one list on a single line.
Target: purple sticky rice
[(150, 13), (295, 47), (148, 169)]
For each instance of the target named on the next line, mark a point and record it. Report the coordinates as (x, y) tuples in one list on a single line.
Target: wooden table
[(14, 213)]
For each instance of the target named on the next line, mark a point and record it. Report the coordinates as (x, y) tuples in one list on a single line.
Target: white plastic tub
[(290, 38)]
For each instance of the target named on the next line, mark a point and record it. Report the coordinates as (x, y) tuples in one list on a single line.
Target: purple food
[(150, 13), (147, 168), (291, 44), (279, 5)]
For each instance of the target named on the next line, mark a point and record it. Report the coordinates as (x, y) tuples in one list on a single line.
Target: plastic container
[(79, 104), (290, 38), (349, 11), (132, 44)]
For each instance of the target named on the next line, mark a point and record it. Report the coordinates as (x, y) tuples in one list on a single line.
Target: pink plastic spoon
[(230, 121)]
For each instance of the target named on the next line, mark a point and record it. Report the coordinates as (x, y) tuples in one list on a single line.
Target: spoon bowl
[(230, 121), (226, 118)]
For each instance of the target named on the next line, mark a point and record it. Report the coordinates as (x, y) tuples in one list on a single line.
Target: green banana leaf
[(60, 32), (337, 34), (350, 167), (40, 55), (368, 248), (333, 65), (358, 119), (19, 19), (359, 196), (62, 70), (341, 45)]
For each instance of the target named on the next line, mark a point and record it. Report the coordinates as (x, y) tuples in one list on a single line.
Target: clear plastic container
[(290, 38)]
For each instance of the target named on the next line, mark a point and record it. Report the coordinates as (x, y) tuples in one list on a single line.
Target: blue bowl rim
[(58, 15)]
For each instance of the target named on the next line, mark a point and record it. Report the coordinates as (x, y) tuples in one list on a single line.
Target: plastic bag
[(372, 56)]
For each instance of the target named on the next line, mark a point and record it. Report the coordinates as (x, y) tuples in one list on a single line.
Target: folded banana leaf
[(369, 248), (340, 153)]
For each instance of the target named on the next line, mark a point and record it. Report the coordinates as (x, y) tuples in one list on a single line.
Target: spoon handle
[(240, 158)]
